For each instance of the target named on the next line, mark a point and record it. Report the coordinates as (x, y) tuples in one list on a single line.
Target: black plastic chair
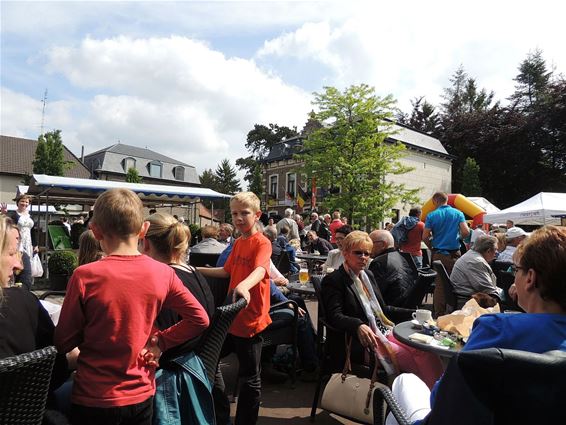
[(411, 261), (48, 294), (449, 295), (24, 384), (211, 343), (497, 386), (198, 259), (415, 297), (219, 288)]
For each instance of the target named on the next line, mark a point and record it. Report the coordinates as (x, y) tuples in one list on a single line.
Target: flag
[(313, 194), (301, 196)]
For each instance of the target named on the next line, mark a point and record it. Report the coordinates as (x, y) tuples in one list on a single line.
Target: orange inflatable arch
[(461, 203)]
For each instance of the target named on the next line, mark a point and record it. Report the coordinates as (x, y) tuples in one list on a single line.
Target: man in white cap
[(514, 236)]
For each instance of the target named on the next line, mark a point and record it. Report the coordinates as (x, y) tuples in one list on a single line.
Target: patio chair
[(24, 384), (211, 343), (497, 386), (449, 295), (219, 288), (415, 297), (198, 259)]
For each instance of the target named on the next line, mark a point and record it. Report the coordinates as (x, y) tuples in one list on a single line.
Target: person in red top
[(248, 269), (334, 225), (109, 311), (414, 238)]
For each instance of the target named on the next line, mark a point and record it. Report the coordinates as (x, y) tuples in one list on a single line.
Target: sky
[(190, 79)]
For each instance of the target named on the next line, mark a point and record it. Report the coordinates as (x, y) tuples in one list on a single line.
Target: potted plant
[(61, 265)]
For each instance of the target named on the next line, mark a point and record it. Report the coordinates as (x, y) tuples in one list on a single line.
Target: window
[(291, 184), (179, 173), (128, 163), (273, 185), (154, 169)]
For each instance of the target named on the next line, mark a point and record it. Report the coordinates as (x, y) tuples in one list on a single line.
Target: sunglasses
[(361, 253), (514, 269)]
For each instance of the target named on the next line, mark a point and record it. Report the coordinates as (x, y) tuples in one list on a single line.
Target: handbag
[(36, 267), (350, 396)]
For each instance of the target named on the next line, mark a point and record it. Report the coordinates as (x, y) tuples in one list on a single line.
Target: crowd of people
[(135, 305)]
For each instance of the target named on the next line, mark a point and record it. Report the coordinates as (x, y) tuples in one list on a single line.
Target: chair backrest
[(219, 288), (198, 259), (212, 340), (24, 384), (284, 263), (449, 296), (411, 261), (417, 293), (501, 386)]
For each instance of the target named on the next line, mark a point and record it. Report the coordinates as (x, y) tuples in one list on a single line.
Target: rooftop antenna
[(44, 101)]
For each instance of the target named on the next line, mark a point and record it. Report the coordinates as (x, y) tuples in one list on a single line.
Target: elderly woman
[(472, 273), (335, 257), (355, 306), (539, 264)]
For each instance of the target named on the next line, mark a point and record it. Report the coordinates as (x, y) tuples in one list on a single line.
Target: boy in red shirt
[(248, 269), (108, 312)]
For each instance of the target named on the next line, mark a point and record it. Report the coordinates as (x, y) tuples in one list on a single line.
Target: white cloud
[(174, 95)]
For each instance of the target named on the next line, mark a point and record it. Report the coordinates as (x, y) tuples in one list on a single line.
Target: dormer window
[(179, 173), (128, 163), (154, 169)]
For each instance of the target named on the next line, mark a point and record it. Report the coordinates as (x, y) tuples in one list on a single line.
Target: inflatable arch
[(461, 203)]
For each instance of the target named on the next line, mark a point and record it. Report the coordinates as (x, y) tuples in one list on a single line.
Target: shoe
[(269, 374)]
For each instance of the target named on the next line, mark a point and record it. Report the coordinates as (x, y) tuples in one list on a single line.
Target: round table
[(296, 287), (404, 329)]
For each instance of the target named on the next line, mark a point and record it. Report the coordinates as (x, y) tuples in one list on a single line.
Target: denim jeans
[(248, 351), (134, 414)]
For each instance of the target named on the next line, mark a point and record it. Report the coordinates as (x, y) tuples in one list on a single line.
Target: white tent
[(536, 211), (484, 203)]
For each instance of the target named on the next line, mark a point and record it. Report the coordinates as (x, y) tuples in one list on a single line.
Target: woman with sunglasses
[(354, 305)]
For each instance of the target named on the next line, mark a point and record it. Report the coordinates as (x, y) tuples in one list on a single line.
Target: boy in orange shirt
[(248, 269)]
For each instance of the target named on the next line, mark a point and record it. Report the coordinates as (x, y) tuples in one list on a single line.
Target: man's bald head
[(382, 240)]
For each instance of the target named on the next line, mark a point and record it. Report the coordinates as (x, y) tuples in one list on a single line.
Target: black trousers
[(248, 351), (134, 414)]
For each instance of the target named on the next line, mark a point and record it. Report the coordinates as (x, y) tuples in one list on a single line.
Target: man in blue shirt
[(447, 225)]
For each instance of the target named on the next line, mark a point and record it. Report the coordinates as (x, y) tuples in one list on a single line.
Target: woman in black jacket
[(353, 305)]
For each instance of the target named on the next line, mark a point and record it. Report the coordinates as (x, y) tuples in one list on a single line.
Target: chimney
[(83, 154)]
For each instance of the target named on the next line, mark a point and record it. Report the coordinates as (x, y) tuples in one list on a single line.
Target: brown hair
[(501, 241), (249, 199), (24, 196), (209, 231), (356, 238), (168, 236), (440, 198), (89, 248), (118, 212), (545, 252)]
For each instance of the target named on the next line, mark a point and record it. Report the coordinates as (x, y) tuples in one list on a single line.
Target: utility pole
[(44, 101)]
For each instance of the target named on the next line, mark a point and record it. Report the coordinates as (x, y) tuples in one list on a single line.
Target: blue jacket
[(183, 393)]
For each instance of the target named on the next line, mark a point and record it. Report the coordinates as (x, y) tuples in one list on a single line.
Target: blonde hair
[(355, 239), (89, 248), (168, 236), (6, 224), (118, 212), (209, 231), (248, 199)]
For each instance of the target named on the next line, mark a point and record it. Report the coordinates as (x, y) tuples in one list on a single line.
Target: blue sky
[(190, 79)]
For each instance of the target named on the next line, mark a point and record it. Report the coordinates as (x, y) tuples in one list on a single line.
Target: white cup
[(422, 316)]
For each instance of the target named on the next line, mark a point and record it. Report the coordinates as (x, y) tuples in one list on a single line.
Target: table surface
[(296, 287), (318, 257), (402, 331)]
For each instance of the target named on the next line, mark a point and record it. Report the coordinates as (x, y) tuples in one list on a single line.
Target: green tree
[(423, 116), (532, 81), (132, 176), (471, 185), (259, 142), (226, 182), (208, 180), (353, 153), (49, 157)]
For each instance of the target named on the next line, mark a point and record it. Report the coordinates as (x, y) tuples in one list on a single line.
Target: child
[(109, 311), (248, 269)]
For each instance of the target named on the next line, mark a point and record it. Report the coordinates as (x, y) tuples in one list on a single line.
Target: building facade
[(286, 187), (113, 162)]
